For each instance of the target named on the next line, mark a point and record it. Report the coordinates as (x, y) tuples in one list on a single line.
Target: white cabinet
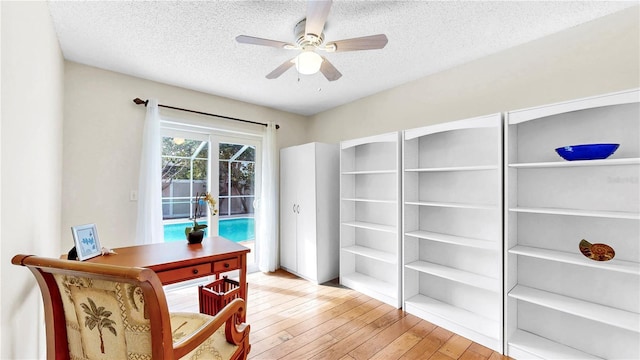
[(370, 219), (309, 211), (452, 243), (560, 304)]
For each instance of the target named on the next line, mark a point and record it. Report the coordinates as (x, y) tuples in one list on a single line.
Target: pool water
[(236, 230)]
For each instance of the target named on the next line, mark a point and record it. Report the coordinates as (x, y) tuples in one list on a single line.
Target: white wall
[(1, 326), (594, 58), (31, 160), (102, 143)]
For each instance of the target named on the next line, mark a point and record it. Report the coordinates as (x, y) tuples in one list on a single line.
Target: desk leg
[(243, 282)]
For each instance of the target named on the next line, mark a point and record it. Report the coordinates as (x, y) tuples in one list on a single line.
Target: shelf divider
[(577, 163), (461, 276), (453, 239), (455, 168), (576, 259), (360, 282), (370, 226), (588, 310), (369, 172), (372, 253), (576, 212), (452, 205), (544, 348), (462, 317), (381, 201)]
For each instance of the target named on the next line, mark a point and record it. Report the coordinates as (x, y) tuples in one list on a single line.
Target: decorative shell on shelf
[(597, 252)]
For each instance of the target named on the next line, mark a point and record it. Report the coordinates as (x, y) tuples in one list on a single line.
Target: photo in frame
[(86, 241)]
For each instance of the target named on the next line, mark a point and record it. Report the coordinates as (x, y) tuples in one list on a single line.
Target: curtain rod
[(139, 101)]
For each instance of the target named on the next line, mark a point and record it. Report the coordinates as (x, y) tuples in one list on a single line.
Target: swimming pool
[(236, 230)]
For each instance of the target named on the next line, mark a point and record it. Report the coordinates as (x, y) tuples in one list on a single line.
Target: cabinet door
[(306, 222), (288, 203)]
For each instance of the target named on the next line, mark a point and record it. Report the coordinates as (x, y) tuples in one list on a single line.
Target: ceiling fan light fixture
[(308, 62)]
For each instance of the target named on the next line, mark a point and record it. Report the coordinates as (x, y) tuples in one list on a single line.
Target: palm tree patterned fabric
[(107, 320), (98, 317)]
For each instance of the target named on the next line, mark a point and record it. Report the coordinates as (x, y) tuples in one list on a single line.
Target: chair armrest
[(235, 332)]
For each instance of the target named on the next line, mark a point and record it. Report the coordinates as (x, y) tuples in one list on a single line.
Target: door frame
[(215, 135), (215, 141)]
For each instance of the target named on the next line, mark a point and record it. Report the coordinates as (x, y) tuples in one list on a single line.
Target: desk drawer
[(186, 273), (225, 265)]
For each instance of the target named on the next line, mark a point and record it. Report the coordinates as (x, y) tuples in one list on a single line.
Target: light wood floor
[(292, 318)]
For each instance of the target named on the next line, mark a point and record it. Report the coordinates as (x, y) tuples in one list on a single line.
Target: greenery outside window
[(237, 179), (184, 173)]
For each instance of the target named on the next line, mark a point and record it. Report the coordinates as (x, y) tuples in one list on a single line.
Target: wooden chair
[(96, 311)]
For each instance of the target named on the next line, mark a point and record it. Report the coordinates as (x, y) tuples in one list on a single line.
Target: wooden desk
[(180, 261)]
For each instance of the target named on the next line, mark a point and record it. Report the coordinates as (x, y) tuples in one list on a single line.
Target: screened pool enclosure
[(185, 169)]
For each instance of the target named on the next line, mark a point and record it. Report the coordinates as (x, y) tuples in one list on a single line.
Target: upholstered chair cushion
[(215, 347), (109, 320)]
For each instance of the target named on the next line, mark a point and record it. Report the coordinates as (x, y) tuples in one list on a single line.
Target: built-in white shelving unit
[(370, 217), (452, 213), (560, 304)]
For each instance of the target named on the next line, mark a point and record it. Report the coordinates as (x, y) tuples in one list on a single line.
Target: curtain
[(149, 228), (267, 240)]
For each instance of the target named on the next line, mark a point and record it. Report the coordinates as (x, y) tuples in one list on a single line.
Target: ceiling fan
[(309, 38)]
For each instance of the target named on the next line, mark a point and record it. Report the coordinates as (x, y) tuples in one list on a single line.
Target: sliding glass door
[(194, 163), (238, 174)]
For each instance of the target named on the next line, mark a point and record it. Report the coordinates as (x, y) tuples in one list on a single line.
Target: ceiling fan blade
[(370, 42), (243, 39), (280, 69), (317, 12), (329, 71)]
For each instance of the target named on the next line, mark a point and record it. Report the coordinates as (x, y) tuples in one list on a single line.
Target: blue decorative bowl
[(587, 151)]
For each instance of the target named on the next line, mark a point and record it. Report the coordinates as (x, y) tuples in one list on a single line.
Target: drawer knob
[(226, 265), (195, 271)]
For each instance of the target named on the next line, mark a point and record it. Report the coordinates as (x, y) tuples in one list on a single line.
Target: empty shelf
[(453, 239), (369, 172), (455, 168), (454, 314), (384, 201), (576, 212), (461, 276), (372, 253), (588, 310), (545, 348), (370, 226), (453, 205)]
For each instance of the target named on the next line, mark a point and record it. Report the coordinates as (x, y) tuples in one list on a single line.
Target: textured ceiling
[(192, 44)]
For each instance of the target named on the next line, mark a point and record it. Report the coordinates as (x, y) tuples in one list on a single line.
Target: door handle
[(294, 208), (298, 209)]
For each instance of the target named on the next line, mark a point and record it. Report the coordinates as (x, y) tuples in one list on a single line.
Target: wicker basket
[(216, 295)]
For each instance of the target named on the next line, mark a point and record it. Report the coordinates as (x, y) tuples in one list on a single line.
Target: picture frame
[(86, 241)]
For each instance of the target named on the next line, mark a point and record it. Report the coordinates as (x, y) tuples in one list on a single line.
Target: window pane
[(242, 178), (249, 154), (223, 207), (200, 170), (184, 147), (184, 173), (223, 186), (174, 168), (227, 151)]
